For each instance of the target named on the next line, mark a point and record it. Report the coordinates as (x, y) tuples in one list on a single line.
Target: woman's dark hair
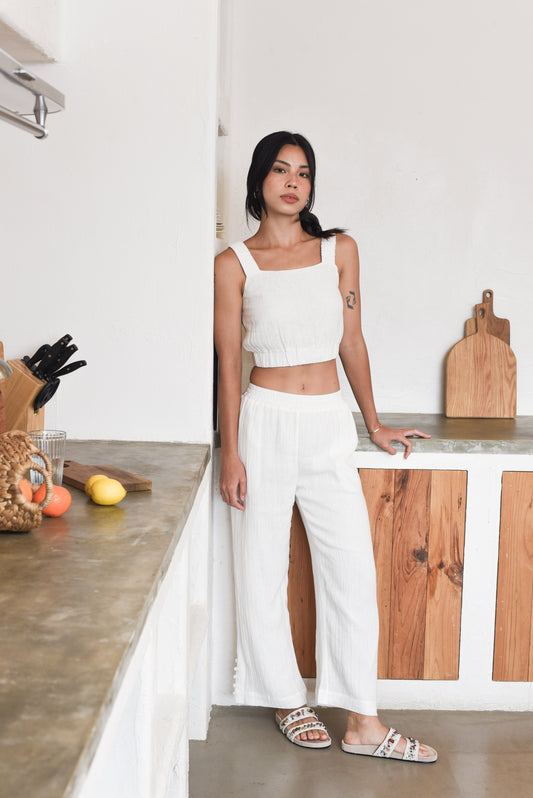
[(263, 157)]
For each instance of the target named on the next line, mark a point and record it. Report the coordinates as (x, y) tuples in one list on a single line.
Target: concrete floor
[(480, 754)]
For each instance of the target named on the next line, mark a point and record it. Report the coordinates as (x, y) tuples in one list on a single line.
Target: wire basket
[(17, 514)]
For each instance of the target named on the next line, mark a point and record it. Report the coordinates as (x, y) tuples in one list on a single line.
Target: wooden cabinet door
[(513, 640), (301, 597), (417, 520)]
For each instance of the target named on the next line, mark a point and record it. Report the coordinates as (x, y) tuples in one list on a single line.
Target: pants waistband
[(296, 401)]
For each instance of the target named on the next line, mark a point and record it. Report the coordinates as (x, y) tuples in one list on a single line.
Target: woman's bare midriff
[(311, 378)]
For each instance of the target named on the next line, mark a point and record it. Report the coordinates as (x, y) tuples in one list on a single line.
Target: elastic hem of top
[(299, 401), (286, 358)]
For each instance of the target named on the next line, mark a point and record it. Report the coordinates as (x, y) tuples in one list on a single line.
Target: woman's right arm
[(229, 286)]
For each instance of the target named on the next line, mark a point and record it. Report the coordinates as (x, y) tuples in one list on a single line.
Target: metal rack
[(47, 98)]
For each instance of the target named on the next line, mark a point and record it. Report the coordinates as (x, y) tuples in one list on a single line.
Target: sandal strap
[(304, 727), (388, 745), (411, 749), (298, 714)]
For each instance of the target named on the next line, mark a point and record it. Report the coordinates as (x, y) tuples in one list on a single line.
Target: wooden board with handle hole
[(501, 328), (77, 474), (481, 375)]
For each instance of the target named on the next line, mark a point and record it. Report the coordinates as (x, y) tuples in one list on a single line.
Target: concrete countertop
[(456, 435), (74, 595), (452, 435)]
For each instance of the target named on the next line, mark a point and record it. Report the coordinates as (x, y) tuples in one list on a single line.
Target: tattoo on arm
[(351, 301)]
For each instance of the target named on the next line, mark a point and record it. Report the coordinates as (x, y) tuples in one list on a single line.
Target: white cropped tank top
[(293, 316)]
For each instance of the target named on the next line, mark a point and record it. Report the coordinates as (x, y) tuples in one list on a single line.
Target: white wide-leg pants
[(297, 447)]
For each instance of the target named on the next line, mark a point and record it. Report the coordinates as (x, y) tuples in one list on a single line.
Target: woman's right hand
[(233, 482)]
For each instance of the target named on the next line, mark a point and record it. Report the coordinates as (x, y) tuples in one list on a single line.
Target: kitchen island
[(103, 630), (452, 528)]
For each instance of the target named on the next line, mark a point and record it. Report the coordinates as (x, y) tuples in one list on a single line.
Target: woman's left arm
[(354, 354)]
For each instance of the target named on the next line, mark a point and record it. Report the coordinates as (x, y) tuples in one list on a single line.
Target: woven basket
[(17, 514)]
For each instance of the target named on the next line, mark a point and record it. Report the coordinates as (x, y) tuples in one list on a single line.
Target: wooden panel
[(417, 522), (514, 629), (378, 487), (445, 574), (301, 598), (409, 574)]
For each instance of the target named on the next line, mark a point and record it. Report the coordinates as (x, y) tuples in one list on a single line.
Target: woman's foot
[(307, 716), (369, 730)]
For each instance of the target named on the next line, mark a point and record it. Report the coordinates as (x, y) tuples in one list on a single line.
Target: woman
[(291, 437)]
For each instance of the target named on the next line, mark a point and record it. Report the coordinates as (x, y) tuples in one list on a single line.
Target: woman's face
[(287, 186)]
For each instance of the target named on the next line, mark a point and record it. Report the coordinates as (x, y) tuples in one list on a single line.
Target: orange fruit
[(59, 503), (25, 489)]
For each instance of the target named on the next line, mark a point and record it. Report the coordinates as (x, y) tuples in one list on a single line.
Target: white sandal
[(305, 726), (387, 749)]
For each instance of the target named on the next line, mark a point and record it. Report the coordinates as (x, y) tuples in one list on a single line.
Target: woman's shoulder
[(345, 244), (346, 255), (226, 259), (228, 268)]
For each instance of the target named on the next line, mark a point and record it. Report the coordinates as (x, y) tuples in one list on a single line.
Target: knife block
[(19, 392)]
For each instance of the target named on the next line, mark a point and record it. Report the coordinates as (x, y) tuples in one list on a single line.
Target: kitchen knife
[(31, 362), (70, 368), (56, 349), (45, 394), (48, 368)]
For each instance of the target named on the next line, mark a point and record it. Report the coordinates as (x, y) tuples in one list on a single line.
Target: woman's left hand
[(384, 436)]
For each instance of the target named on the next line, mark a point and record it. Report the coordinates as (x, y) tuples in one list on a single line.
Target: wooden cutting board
[(495, 326), (481, 375), (2, 401), (77, 474)]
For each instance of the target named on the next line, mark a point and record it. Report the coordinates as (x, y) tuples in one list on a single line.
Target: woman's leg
[(334, 512), (267, 671)]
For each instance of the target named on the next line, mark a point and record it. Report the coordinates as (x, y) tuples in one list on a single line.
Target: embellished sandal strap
[(304, 727), (298, 714), (388, 745), (411, 749)]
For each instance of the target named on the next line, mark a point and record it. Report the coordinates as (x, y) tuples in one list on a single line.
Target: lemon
[(90, 482), (107, 491)]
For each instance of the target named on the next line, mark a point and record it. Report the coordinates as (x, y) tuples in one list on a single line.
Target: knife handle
[(53, 352), (45, 394), (70, 368), (39, 354), (50, 364)]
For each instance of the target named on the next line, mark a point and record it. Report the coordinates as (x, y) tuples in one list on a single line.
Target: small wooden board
[(501, 328), (77, 474)]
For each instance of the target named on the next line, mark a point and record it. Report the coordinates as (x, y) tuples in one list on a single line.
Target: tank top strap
[(327, 250), (249, 266)]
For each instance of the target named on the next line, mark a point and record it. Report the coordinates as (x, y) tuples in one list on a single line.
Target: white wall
[(32, 28), (108, 225), (423, 138)]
